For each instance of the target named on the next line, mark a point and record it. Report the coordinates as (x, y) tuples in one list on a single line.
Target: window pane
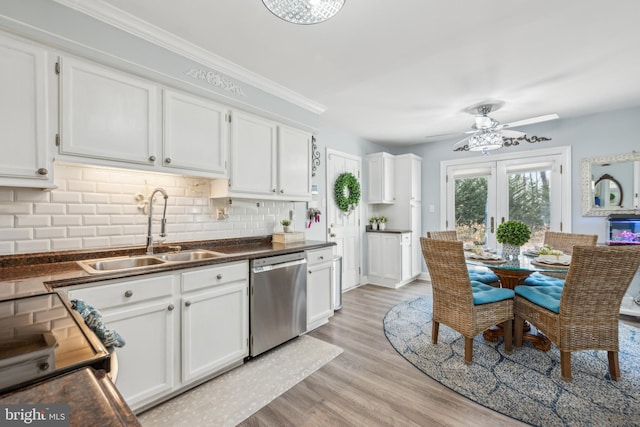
[(471, 209), (529, 202)]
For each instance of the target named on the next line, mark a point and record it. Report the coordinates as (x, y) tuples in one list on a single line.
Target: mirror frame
[(587, 196)]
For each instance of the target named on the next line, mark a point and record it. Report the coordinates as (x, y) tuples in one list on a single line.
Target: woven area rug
[(236, 395), (526, 384)]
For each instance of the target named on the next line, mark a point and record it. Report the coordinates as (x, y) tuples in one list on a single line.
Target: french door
[(481, 193)]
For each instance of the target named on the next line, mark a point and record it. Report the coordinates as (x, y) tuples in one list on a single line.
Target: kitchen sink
[(115, 265), (195, 255), (109, 265)]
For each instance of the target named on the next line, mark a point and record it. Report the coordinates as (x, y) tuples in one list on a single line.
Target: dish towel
[(93, 319)]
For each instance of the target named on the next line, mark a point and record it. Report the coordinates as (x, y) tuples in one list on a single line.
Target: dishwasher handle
[(270, 267)]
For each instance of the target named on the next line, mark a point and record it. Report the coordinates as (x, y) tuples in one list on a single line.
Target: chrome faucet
[(163, 223)]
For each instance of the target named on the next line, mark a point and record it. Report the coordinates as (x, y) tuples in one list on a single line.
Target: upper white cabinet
[(195, 134), (269, 159), (294, 159), (107, 114), (381, 179), (24, 119)]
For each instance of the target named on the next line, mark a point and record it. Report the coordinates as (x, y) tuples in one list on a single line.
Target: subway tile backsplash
[(95, 208)]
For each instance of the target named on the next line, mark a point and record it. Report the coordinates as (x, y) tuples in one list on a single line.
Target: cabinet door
[(253, 151), (23, 115), (391, 256), (374, 258), (416, 230), (294, 162), (146, 362), (195, 134), (215, 329), (107, 114), (381, 178), (319, 294), (416, 179)]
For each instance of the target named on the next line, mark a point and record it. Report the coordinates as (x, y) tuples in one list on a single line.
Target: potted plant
[(286, 225), (512, 235), (382, 222), (374, 222)]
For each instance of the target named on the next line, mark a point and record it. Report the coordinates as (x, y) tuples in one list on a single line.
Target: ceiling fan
[(487, 133)]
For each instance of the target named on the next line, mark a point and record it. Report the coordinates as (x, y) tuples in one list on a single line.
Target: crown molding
[(126, 22)]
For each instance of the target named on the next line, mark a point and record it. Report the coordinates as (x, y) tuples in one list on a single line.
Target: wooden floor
[(370, 384)]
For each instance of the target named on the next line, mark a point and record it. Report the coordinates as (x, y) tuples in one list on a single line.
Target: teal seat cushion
[(485, 294), (484, 276), (544, 296), (537, 279)]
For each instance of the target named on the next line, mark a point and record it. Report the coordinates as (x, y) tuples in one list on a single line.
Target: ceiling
[(396, 71)]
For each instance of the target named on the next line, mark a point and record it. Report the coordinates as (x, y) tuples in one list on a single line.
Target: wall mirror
[(610, 184)]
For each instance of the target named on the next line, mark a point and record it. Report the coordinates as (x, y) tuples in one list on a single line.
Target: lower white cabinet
[(390, 258), (320, 276), (143, 312), (180, 328), (215, 317)]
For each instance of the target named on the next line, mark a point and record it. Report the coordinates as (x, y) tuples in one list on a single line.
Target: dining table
[(512, 273)]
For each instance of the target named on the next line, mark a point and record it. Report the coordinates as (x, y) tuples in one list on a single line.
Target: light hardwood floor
[(370, 384)]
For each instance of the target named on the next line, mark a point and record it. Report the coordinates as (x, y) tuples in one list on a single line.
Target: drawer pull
[(42, 171), (152, 159), (167, 160), (171, 307), (128, 294), (44, 366), (321, 257), (187, 303), (219, 276)]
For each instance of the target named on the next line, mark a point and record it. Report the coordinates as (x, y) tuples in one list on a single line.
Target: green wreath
[(346, 183)]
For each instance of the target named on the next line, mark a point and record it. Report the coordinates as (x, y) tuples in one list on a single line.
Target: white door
[(533, 187), (342, 228)]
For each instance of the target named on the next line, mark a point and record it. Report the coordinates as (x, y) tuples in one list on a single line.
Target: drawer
[(102, 296), (319, 256), (212, 276)]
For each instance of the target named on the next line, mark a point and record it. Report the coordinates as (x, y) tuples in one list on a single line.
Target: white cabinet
[(389, 258), (180, 328), (195, 134), (381, 178), (25, 86), (107, 114), (215, 319), (142, 311), (320, 276), (268, 159)]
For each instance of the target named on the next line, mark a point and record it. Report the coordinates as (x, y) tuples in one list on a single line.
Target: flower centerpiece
[(512, 235)]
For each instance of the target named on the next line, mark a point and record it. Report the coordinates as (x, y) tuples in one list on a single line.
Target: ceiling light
[(304, 11), (485, 141)]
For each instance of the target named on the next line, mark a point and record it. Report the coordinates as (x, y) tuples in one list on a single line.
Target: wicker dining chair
[(564, 242), (465, 306), (582, 315), (479, 274)]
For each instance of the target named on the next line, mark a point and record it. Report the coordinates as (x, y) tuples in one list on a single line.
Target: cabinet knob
[(44, 366), (321, 257), (281, 191), (43, 171), (273, 190), (187, 303), (167, 160), (152, 159), (309, 271), (219, 276), (171, 307), (128, 294)]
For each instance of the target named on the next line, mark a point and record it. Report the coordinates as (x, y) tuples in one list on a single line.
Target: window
[(532, 187)]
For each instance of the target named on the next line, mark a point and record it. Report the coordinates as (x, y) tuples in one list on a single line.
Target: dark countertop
[(91, 397), (33, 274), (388, 231)]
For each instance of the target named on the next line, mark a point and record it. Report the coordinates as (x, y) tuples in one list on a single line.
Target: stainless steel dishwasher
[(278, 301)]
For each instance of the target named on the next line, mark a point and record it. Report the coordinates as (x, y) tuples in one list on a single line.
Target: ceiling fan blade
[(512, 133), (532, 120)]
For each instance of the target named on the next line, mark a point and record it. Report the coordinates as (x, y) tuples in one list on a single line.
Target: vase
[(510, 252), (287, 228), (382, 226)]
